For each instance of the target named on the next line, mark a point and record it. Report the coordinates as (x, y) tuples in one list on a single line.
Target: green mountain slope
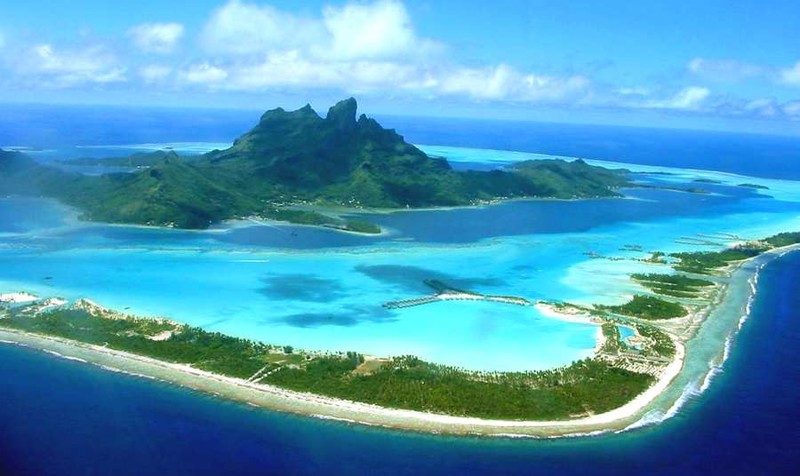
[(298, 158), (337, 159), (167, 194)]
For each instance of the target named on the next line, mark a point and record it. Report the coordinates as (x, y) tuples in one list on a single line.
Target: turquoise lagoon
[(323, 290), (625, 332)]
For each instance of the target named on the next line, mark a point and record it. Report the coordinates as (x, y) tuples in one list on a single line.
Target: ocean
[(63, 417)]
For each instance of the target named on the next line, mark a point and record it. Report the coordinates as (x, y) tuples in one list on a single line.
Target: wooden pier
[(411, 302), (447, 293)]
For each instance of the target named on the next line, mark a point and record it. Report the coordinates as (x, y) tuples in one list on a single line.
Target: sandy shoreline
[(271, 397), (275, 398), (18, 298)]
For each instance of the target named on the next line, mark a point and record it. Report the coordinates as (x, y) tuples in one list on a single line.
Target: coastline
[(234, 223), (630, 415), (312, 405)]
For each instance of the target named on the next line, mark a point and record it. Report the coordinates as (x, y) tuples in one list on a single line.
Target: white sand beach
[(272, 397), (18, 298)]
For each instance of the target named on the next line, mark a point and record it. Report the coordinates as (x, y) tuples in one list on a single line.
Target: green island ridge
[(674, 285), (619, 371), (289, 167), (398, 382), (754, 185)]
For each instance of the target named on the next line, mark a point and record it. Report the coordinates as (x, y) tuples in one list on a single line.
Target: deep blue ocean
[(65, 417)]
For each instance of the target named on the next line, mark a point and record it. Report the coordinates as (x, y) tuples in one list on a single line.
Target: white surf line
[(267, 224)]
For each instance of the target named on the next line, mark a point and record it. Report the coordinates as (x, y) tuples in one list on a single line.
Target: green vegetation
[(674, 285), (647, 307), (656, 257), (613, 343), (210, 351), (360, 226), (783, 239), (663, 345), (697, 190), (754, 185), (141, 159), (290, 159), (705, 180), (704, 262), (562, 179), (404, 382), (708, 261), (680, 286), (408, 382), (300, 217), (310, 217)]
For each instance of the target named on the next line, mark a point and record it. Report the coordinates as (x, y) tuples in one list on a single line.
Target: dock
[(443, 292)]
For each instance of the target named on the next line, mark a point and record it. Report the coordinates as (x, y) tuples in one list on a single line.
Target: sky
[(710, 64)]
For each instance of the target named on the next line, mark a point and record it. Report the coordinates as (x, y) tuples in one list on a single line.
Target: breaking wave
[(715, 367), (656, 416), (65, 357)]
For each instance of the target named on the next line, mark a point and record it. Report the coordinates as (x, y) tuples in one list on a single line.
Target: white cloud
[(357, 47), (204, 73), (639, 91), (387, 74), (288, 69), (761, 108), (503, 82), (153, 73), (239, 28), (766, 108), (355, 31), (791, 75), (379, 30), (689, 98), (771, 109), (156, 37), (71, 67), (293, 69), (283, 69), (723, 69), (792, 109)]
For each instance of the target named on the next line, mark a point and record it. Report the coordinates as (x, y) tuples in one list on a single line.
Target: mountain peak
[(280, 114), (343, 113)]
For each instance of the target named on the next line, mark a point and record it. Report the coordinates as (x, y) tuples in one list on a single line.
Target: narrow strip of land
[(269, 396), (614, 389)]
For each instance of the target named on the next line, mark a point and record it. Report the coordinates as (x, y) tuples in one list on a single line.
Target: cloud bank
[(70, 67), (724, 70), (791, 75), (369, 47), (156, 37), (358, 47)]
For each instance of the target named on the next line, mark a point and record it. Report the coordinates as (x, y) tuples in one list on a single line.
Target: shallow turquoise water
[(625, 332), (744, 424), (319, 289)]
